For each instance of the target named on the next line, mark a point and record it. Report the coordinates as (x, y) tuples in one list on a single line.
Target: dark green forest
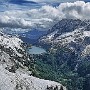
[(65, 66)]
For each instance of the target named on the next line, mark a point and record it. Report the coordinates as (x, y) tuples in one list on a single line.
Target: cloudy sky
[(25, 15), (52, 0)]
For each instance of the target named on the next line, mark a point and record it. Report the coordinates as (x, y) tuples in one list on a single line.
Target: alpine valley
[(17, 67)]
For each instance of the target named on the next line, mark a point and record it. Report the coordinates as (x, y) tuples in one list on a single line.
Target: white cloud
[(45, 16), (28, 19), (79, 9)]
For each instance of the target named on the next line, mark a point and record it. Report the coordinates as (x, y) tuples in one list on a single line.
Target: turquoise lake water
[(36, 50)]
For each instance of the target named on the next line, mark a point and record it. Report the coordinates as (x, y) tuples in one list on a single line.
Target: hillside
[(68, 58)]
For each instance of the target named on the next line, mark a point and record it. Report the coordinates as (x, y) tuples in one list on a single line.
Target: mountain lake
[(36, 50)]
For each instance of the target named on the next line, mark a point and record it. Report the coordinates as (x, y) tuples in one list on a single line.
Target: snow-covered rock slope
[(13, 74), (67, 30), (22, 81), (11, 42)]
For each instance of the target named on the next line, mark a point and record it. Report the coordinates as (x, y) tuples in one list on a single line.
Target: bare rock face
[(14, 74)]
